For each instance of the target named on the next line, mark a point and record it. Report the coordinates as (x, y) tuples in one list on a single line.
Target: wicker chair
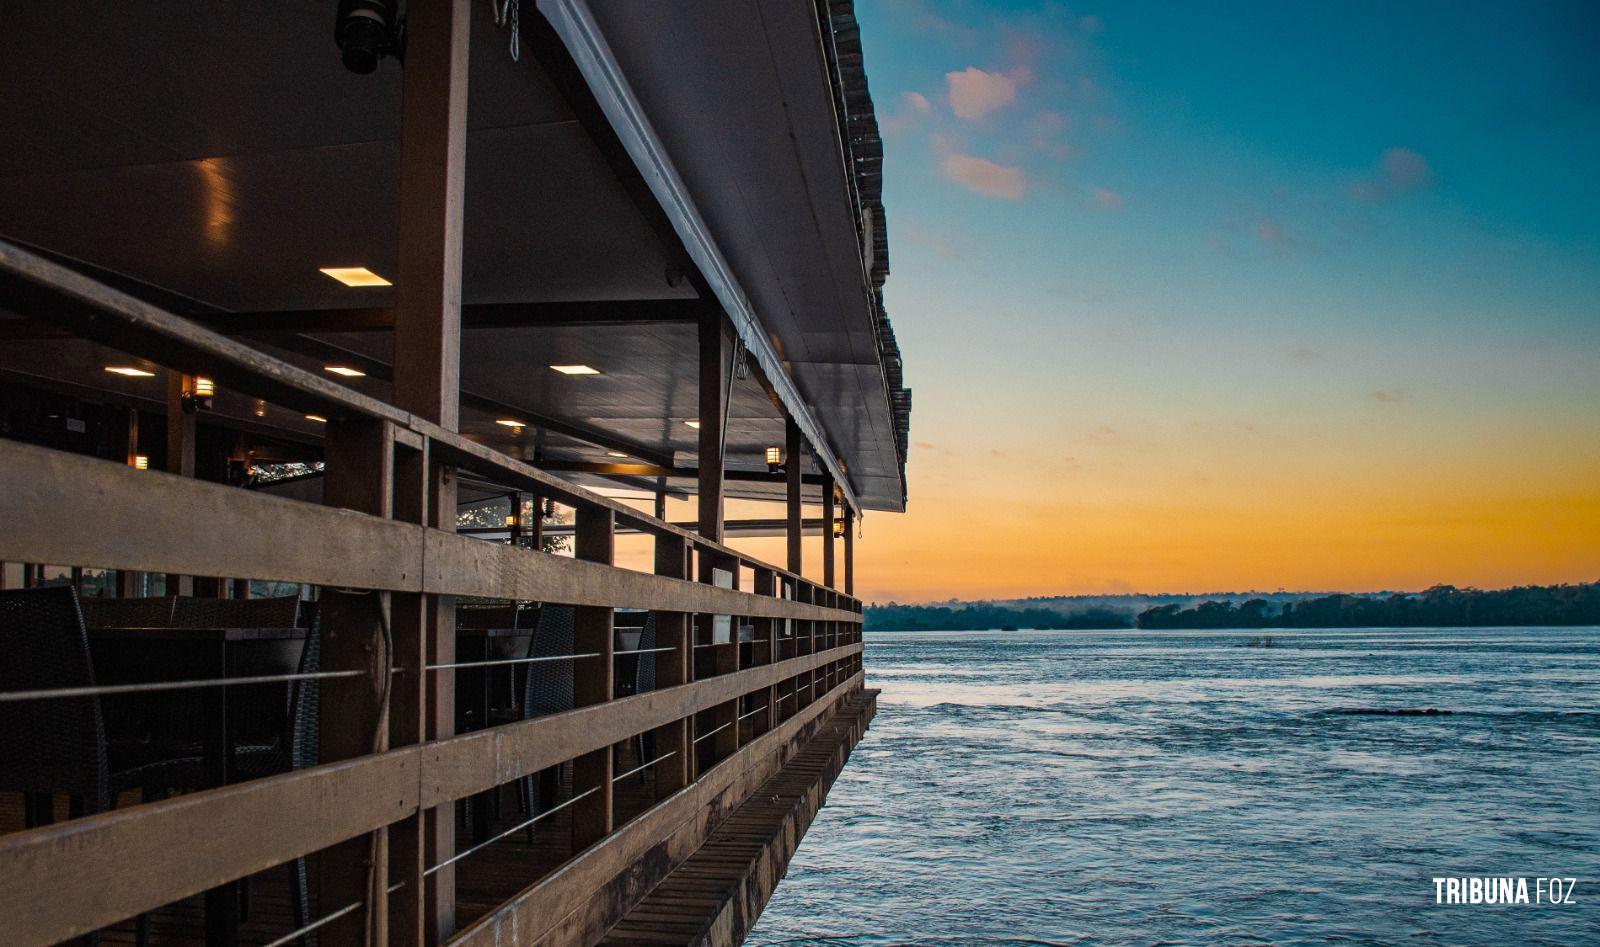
[(644, 679), (199, 612), (104, 612), (58, 746), (547, 689)]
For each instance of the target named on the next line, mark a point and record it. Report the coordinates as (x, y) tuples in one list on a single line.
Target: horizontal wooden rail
[(62, 880), (45, 290), (222, 530), (564, 907)]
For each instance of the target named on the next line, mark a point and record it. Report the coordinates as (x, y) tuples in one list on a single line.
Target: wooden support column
[(827, 530), (180, 454), (130, 583), (765, 641), (672, 668), (849, 552), (594, 540), (359, 476), (794, 454), (427, 372), (714, 369)]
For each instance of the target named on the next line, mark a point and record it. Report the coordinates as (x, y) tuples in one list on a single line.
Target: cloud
[(975, 93), (1272, 234), (1304, 354), (1405, 170), (1045, 132), (983, 176), (1110, 200), (917, 101), (944, 247), (1391, 396), (1399, 171)]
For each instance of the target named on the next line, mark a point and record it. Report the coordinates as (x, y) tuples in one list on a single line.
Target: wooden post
[(849, 552), (766, 639), (516, 517), (713, 440), (130, 583), (180, 454), (593, 679), (796, 530), (827, 530), (672, 668), (661, 498), (359, 476), (427, 369)]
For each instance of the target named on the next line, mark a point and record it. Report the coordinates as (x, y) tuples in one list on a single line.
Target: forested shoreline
[(1440, 606)]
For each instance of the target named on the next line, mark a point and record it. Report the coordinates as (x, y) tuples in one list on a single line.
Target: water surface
[(1180, 787)]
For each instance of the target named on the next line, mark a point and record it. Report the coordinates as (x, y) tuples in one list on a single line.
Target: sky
[(1216, 297)]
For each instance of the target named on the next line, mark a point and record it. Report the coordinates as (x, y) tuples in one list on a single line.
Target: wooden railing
[(393, 761)]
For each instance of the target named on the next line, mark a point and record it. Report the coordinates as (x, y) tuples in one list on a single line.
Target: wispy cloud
[(975, 93), (1110, 200), (944, 247), (982, 176), (1390, 396), (1303, 354), (917, 101), (1399, 171)]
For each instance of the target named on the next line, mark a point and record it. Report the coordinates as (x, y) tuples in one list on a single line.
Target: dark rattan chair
[(547, 689), (57, 746), (152, 612)]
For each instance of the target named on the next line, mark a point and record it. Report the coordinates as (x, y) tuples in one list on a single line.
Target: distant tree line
[(893, 617), (1442, 605)]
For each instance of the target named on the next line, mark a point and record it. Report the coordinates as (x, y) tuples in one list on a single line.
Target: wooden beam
[(563, 908), (713, 415), (207, 838), (360, 476), (180, 455), (427, 375), (593, 682), (653, 470), (827, 535), (524, 315), (793, 450), (849, 553)]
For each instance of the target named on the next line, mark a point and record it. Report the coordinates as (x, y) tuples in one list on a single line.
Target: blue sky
[(1154, 263)]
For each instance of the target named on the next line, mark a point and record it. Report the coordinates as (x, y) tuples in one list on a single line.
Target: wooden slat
[(460, 565), (149, 521), (670, 832), (475, 761), (245, 533), (67, 879)]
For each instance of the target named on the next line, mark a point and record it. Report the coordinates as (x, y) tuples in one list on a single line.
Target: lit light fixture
[(838, 527), (774, 458), (141, 462), (576, 369), (695, 423), (511, 519), (615, 453), (260, 408), (129, 371), (354, 276), (198, 395), (512, 423), (345, 371), (317, 418)]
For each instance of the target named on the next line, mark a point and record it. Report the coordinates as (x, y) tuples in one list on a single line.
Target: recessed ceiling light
[(615, 453), (345, 371), (354, 276), (129, 371), (317, 418), (694, 424), (512, 422), (576, 369)]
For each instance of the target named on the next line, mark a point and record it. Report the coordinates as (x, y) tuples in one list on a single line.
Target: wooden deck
[(715, 896)]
